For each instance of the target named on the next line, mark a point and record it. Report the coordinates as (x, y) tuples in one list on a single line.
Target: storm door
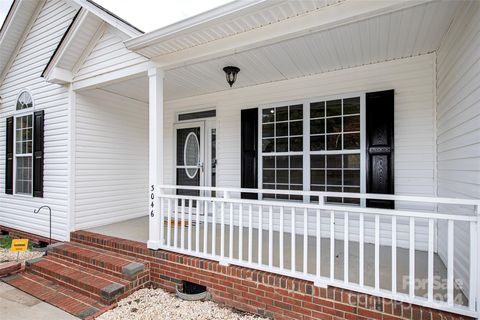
[(190, 157)]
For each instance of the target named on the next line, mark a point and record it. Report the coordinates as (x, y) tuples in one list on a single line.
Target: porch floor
[(137, 230)]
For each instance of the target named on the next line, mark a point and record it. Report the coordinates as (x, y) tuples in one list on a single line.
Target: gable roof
[(21, 16), (18, 19)]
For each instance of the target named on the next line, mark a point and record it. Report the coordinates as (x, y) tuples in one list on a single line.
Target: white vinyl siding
[(108, 54), (16, 211), (111, 159), (458, 123), (413, 82)]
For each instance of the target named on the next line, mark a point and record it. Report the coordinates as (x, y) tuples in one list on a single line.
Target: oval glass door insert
[(191, 155)]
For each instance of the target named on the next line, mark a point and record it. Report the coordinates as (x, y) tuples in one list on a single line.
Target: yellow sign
[(19, 245)]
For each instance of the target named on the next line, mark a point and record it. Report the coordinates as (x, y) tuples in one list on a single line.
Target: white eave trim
[(59, 76), (109, 18), (200, 21), (334, 16)]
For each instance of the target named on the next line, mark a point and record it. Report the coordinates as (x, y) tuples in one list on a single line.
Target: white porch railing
[(369, 250)]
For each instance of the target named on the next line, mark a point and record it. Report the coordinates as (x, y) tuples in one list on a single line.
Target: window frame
[(18, 114), (306, 153)]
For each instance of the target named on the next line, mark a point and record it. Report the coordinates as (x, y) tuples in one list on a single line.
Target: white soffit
[(406, 33), (227, 20), (400, 34)]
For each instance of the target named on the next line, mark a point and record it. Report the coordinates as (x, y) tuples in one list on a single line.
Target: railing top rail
[(353, 209), (436, 200)]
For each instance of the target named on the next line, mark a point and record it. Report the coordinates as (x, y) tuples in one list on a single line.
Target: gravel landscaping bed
[(6, 255), (146, 304)]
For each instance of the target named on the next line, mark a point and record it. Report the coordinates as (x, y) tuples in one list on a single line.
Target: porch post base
[(154, 245)]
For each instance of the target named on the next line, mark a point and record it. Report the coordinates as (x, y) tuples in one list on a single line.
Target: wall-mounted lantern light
[(231, 74)]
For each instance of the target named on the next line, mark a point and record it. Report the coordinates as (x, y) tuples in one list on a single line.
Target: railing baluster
[(169, 221), (430, 260), (281, 238), (377, 252), (361, 250), (346, 256), (205, 227), (214, 228), (175, 227), (472, 297), (197, 229), (162, 218), (190, 225), (318, 245), (230, 241), (332, 245), (394, 254), (270, 236), (305, 241), (250, 234), (240, 232), (182, 226), (450, 288), (222, 230), (293, 233), (411, 272), (260, 234)]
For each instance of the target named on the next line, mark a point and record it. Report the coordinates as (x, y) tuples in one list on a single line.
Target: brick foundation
[(18, 234), (263, 293)]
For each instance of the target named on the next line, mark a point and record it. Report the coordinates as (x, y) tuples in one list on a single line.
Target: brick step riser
[(142, 281), (70, 286), (94, 264), (106, 247)]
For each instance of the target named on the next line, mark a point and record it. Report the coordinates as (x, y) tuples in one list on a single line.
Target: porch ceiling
[(404, 33)]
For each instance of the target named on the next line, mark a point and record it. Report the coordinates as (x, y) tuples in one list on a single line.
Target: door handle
[(201, 165)]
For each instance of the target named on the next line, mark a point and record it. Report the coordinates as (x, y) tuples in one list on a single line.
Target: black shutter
[(38, 154), (379, 146), (9, 158), (249, 143)]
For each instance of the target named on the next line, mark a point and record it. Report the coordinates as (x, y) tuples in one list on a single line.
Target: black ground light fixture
[(231, 74)]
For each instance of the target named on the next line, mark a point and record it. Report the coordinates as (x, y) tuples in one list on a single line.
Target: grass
[(6, 243)]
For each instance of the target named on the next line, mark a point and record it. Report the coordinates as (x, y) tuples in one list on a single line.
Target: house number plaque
[(152, 198)]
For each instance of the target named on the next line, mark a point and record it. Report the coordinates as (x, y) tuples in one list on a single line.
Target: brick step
[(98, 259), (92, 283), (61, 297)]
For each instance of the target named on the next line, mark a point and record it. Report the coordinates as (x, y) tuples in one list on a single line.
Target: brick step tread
[(59, 296), (98, 259), (87, 281)]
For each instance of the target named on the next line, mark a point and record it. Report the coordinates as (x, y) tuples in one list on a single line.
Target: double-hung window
[(315, 145), (282, 148), (24, 144), (335, 150)]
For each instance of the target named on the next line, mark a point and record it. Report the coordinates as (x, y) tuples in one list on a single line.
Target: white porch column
[(155, 120)]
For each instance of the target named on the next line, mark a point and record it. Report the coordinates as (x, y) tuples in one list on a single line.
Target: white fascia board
[(112, 77), (108, 18), (75, 28), (203, 20), (327, 18), (59, 76)]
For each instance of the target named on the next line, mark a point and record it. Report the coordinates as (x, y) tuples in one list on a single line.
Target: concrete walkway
[(16, 304)]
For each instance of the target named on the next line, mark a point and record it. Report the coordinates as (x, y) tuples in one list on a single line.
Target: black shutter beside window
[(38, 153), (249, 146), (9, 158), (379, 146)]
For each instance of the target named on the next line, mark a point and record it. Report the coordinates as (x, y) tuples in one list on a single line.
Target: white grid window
[(24, 145), (335, 147), (282, 149)]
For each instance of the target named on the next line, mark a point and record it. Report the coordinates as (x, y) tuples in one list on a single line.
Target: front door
[(190, 156)]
